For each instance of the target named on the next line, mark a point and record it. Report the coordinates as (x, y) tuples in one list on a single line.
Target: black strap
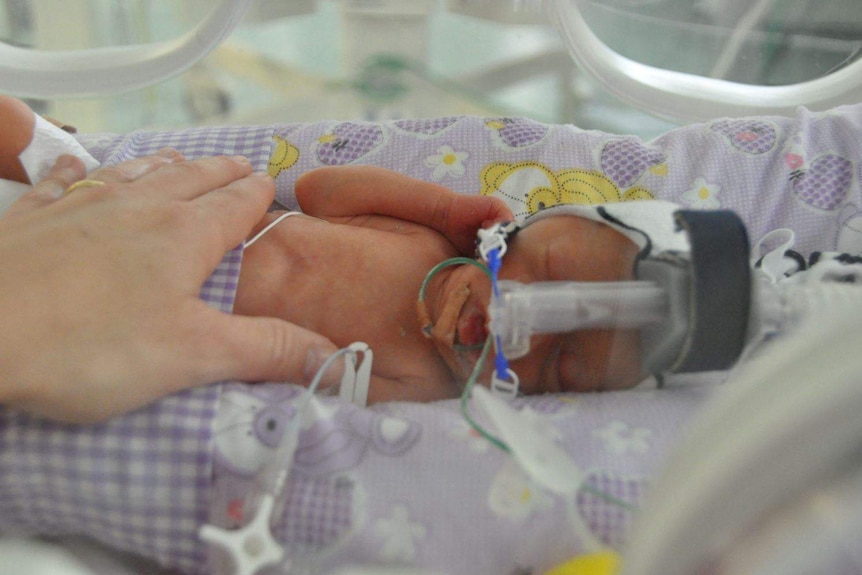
[(646, 250), (721, 290)]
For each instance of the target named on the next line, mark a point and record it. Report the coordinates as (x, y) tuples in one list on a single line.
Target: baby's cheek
[(622, 359), (601, 360)]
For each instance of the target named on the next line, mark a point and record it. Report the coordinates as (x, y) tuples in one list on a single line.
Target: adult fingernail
[(65, 161), (169, 153), (316, 360)]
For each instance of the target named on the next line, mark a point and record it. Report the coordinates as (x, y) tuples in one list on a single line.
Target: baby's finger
[(66, 171), (466, 214), (132, 170)]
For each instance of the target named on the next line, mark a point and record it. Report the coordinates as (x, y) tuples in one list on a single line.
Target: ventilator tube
[(519, 310)]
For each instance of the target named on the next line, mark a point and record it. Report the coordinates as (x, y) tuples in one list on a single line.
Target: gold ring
[(82, 184)]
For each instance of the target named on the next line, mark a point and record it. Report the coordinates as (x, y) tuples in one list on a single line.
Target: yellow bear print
[(528, 187), (283, 157)]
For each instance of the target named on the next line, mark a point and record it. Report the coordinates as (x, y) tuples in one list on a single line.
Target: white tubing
[(82, 73), (689, 97)]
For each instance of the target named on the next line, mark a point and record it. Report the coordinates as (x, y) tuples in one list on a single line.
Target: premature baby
[(353, 270), (352, 266)]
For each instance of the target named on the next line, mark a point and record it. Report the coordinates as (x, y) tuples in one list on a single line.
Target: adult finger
[(191, 179), (69, 169), (66, 170), (228, 214), (135, 169), (265, 349)]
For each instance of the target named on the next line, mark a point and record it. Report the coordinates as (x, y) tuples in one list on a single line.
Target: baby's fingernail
[(315, 361), (240, 159)]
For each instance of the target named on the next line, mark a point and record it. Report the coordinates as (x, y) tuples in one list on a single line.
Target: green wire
[(465, 399), (448, 263), (436, 269), (609, 498), (471, 381), (477, 370), (498, 443)]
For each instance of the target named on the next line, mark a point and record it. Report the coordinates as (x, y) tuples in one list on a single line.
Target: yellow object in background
[(601, 563)]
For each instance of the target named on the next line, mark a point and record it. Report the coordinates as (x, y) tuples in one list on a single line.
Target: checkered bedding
[(409, 484)]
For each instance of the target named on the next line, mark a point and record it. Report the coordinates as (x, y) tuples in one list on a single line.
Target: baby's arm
[(17, 120), (349, 191)]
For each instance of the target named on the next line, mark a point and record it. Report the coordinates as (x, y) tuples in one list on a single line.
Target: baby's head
[(554, 246)]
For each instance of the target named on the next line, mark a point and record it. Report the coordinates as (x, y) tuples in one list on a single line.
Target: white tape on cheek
[(48, 143)]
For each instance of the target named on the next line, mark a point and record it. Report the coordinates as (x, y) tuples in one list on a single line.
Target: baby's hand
[(460, 216), (349, 191)]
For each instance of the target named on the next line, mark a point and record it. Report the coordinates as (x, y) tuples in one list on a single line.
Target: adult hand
[(99, 288)]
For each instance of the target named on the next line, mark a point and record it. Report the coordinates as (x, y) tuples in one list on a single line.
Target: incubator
[(764, 469)]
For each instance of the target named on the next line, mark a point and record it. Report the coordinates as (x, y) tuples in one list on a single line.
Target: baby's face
[(557, 248)]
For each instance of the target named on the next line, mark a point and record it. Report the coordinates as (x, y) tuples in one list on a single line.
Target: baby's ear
[(17, 121)]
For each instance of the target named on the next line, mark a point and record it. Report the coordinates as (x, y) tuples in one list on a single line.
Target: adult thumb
[(271, 349)]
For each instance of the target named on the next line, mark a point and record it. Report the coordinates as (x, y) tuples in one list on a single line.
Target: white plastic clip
[(357, 379), (251, 547), (505, 389), (493, 238)]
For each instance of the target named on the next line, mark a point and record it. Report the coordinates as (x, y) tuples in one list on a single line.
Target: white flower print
[(446, 162), (464, 432), (620, 438), (514, 496), (703, 195), (399, 536)]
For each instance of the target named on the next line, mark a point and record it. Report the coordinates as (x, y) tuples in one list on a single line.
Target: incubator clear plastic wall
[(628, 67), (306, 60)]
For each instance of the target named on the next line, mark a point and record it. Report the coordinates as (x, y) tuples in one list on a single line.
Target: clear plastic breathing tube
[(522, 310)]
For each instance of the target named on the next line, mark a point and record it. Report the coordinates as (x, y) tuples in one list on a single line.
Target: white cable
[(273, 476), (271, 225), (52, 74), (691, 97), (253, 546)]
